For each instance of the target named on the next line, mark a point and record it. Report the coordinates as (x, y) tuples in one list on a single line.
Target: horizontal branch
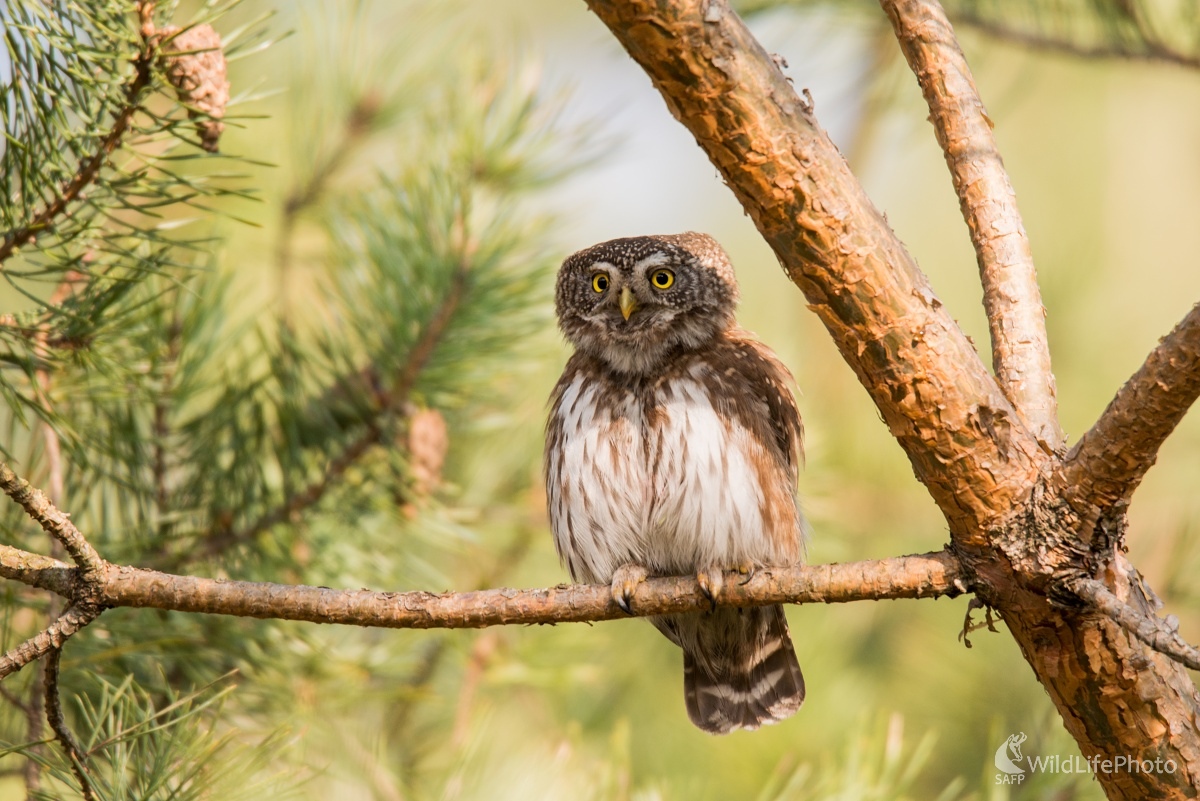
[(1153, 631), (1011, 297), (929, 575), (1111, 459)]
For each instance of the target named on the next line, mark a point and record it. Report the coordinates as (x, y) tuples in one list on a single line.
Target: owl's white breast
[(666, 481)]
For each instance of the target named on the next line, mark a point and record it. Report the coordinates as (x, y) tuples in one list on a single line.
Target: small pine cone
[(196, 68), (428, 441)]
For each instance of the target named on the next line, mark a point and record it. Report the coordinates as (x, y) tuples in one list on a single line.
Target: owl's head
[(634, 303)]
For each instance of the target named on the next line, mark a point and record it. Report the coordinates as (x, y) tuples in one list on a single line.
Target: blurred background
[(376, 148)]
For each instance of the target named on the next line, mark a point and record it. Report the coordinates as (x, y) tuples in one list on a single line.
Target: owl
[(672, 447)]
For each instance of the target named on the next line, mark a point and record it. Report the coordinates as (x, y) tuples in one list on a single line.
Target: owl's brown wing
[(740, 669), (769, 383)]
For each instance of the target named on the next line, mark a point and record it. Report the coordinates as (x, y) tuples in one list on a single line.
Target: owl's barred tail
[(766, 688)]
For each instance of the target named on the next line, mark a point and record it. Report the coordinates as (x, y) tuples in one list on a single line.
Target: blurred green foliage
[(405, 172)]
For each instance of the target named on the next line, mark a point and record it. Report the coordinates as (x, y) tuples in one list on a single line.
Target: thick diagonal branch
[(1110, 460), (1011, 298), (938, 399), (924, 576)]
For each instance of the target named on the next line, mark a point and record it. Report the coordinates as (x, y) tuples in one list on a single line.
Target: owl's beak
[(627, 302)]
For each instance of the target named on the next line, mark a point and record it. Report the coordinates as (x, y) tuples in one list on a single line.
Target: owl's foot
[(711, 581), (748, 570), (625, 582)]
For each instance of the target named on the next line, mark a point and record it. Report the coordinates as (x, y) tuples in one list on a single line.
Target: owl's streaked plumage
[(673, 445)]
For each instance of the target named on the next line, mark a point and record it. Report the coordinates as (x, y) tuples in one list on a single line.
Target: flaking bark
[(1011, 297), (1111, 459)]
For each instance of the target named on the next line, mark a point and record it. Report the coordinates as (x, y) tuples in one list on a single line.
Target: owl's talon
[(748, 570), (625, 582), (624, 599), (711, 582)]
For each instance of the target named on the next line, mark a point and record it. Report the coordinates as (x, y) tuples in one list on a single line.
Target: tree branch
[(1016, 317), (43, 572), (1153, 631), (964, 439), (95, 587), (55, 523), (57, 633), (58, 723), (930, 575), (926, 575), (1110, 460)]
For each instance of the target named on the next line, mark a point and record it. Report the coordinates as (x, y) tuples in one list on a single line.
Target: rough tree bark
[(1028, 524)]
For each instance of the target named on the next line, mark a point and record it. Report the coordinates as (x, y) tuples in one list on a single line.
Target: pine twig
[(1111, 459), (1016, 317), (357, 126), (49, 639), (1155, 51), (297, 501), (89, 169), (36, 570), (162, 421), (58, 723), (389, 403), (1151, 630)]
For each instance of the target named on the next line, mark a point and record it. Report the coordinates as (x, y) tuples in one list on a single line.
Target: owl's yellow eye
[(600, 282), (662, 279)]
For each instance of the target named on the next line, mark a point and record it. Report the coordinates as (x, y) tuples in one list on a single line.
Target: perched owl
[(672, 447)]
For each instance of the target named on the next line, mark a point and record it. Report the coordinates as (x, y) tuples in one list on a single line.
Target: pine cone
[(428, 441), (197, 71)]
